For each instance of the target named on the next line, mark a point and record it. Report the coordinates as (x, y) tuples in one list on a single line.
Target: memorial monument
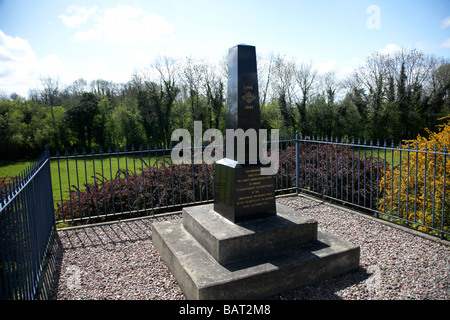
[(245, 246), (240, 191)]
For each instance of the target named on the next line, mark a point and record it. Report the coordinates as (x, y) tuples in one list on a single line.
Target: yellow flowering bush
[(418, 188)]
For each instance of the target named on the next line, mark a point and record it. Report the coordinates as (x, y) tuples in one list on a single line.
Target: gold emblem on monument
[(248, 97)]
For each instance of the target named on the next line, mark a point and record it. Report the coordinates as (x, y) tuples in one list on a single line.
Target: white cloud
[(326, 66), (120, 25), (445, 23), (349, 66), (20, 69), (390, 49), (446, 43), (77, 16)]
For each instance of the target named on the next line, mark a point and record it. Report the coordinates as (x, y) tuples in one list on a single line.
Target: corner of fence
[(297, 168)]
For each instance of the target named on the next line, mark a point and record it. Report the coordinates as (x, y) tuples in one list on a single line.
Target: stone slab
[(230, 242), (200, 276)]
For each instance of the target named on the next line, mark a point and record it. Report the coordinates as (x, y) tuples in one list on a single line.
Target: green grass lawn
[(13, 168), (77, 172), (391, 156)]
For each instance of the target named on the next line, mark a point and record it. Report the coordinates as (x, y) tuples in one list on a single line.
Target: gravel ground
[(118, 261)]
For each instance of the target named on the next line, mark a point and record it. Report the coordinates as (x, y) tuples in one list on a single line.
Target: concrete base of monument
[(213, 258)]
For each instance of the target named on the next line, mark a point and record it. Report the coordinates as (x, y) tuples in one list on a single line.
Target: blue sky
[(110, 39)]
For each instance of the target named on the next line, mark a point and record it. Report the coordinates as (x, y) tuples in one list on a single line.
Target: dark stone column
[(241, 192)]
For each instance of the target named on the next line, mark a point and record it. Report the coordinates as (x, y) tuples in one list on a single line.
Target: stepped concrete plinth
[(228, 242), (214, 258)]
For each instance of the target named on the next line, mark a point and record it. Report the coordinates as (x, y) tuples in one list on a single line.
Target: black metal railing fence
[(404, 185), (27, 223)]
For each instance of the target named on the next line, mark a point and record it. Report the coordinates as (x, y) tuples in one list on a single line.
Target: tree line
[(390, 97)]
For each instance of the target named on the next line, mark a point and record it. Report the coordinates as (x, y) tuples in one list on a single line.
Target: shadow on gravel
[(95, 236), (326, 289), (56, 272)]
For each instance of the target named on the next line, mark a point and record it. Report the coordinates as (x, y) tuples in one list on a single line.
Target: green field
[(13, 168), (77, 172), (391, 156)]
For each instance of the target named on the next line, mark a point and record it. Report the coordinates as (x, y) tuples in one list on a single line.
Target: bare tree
[(330, 84), (416, 64), (214, 83), (50, 91), (284, 82), (77, 87), (191, 84), (305, 77), (161, 82), (49, 94), (372, 77), (168, 70), (284, 89), (266, 73)]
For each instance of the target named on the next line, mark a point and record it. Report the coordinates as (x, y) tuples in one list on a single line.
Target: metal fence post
[(297, 162)]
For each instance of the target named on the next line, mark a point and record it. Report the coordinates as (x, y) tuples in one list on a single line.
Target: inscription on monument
[(254, 190), (248, 97)]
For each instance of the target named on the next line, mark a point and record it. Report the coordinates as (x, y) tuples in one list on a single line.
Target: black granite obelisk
[(240, 191)]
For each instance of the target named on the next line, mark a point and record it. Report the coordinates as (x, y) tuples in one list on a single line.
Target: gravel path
[(118, 261)]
